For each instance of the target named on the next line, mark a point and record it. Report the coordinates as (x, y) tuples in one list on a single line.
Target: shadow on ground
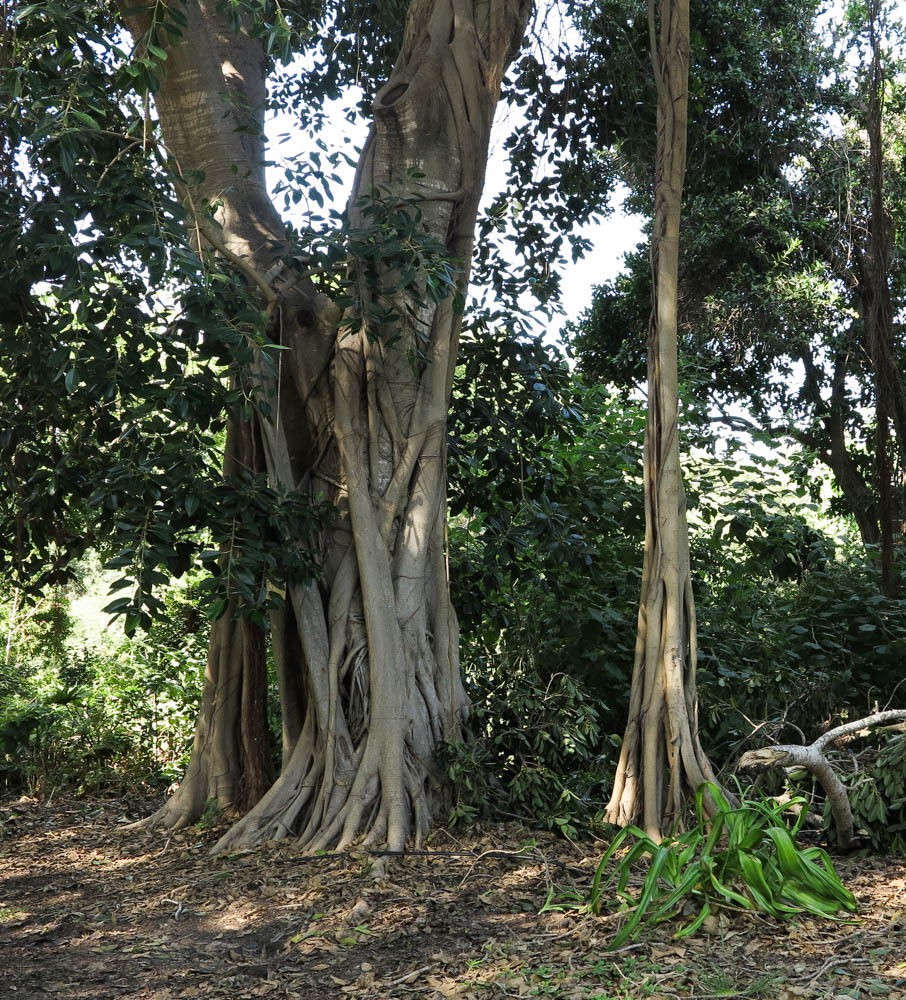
[(92, 911)]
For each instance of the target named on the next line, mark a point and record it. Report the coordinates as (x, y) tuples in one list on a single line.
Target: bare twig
[(408, 977), (529, 853)]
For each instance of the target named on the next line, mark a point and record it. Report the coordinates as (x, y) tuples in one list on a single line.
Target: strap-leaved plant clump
[(743, 858)]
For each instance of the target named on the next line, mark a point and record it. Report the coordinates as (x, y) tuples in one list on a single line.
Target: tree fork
[(367, 657)]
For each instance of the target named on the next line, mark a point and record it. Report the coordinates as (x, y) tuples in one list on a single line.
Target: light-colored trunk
[(367, 658), (661, 760)]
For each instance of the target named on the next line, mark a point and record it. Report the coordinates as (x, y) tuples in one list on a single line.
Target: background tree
[(776, 279)]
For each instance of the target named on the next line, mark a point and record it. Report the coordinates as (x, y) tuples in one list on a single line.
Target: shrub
[(94, 711), (535, 754)]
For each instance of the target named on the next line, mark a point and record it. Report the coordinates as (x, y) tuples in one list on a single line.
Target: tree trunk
[(367, 658), (890, 401), (661, 760), (231, 761), (858, 494), (812, 757)]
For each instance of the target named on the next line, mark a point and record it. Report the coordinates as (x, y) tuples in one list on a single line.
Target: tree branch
[(812, 758)]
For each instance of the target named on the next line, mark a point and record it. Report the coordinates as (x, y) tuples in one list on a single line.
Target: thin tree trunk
[(231, 759), (661, 760), (11, 627), (890, 401), (857, 492)]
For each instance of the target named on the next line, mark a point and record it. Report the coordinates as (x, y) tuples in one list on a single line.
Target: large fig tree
[(337, 400)]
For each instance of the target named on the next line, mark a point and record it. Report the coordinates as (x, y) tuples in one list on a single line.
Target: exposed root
[(368, 654), (374, 809), (165, 818)]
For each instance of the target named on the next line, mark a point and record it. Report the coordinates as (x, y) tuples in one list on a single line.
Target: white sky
[(611, 238)]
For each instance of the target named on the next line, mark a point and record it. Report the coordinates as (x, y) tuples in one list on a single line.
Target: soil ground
[(91, 910)]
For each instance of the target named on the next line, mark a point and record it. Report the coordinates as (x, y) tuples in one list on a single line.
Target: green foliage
[(776, 651), (774, 275), (791, 625), (877, 795), (366, 256), (130, 346), (33, 632), (97, 714), (63, 739), (544, 547), (543, 554), (392, 253), (534, 752), (742, 857)]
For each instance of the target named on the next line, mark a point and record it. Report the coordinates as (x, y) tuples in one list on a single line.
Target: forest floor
[(90, 910)]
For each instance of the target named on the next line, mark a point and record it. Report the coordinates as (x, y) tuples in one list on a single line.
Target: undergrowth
[(742, 857)]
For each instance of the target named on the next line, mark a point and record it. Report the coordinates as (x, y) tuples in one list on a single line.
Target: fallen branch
[(812, 758)]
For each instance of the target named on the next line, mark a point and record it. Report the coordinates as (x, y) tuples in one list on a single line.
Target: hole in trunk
[(394, 94)]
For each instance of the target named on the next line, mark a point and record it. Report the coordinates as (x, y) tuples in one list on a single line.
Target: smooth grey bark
[(367, 658)]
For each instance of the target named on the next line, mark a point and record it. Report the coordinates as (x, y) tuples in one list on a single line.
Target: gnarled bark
[(367, 658), (661, 759)]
